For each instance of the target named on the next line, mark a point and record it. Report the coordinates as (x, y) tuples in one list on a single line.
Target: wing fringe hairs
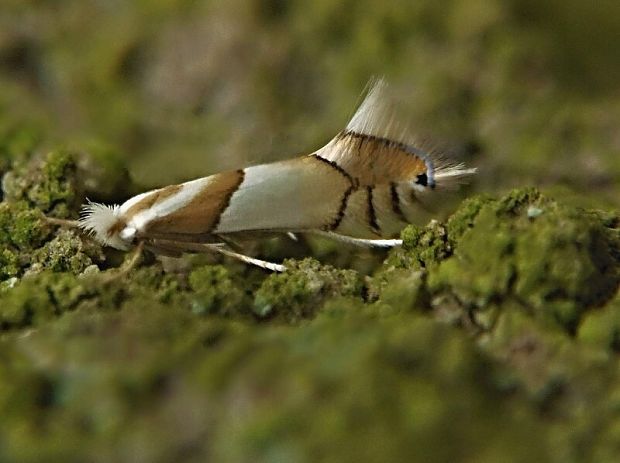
[(362, 188)]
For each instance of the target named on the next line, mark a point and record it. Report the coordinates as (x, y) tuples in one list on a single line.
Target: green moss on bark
[(365, 360), (67, 252), (601, 327), (215, 292), (554, 260), (21, 227), (50, 184), (299, 292), (21, 232), (422, 247), (40, 298), (522, 273)]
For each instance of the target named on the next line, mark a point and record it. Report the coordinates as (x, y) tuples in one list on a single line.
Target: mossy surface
[(491, 328), (553, 260), (21, 230), (492, 335), (216, 292), (50, 185), (299, 292)]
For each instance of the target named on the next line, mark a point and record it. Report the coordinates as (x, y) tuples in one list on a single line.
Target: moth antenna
[(450, 176)]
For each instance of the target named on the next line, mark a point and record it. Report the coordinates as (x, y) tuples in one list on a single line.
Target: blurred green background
[(527, 91), (492, 336)]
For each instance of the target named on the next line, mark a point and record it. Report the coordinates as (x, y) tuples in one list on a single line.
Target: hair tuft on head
[(98, 220)]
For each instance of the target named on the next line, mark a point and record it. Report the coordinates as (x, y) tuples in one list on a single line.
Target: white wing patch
[(294, 195)]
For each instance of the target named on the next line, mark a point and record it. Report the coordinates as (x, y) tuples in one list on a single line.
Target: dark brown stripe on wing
[(396, 203), (336, 167), (224, 205), (386, 142), (372, 160), (202, 213), (342, 210), (372, 215)]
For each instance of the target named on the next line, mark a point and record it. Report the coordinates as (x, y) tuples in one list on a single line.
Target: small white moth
[(362, 188)]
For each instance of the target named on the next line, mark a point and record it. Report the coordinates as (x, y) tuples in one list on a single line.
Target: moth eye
[(422, 179)]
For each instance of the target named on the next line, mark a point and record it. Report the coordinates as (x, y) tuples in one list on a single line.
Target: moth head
[(106, 224)]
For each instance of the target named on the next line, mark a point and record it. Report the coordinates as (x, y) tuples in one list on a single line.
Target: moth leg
[(128, 265), (251, 260), (362, 242), (62, 222), (231, 242), (220, 248)]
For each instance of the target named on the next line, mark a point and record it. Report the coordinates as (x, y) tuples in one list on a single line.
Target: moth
[(362, 187)]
